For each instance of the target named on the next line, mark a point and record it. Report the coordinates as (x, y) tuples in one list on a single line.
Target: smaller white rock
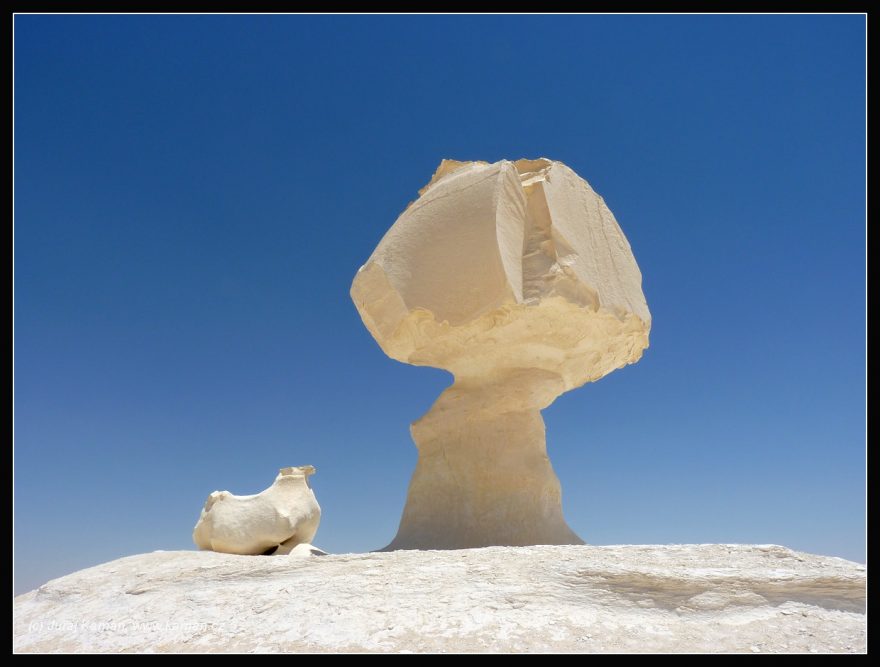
[(287, 513), (304, 550)]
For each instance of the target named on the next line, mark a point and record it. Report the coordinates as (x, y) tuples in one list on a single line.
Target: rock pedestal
[(515, 277)]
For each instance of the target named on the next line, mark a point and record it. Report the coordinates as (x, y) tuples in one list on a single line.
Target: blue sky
[(194, 194)]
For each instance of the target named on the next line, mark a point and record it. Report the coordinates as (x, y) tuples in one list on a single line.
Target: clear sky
[(193, 196)]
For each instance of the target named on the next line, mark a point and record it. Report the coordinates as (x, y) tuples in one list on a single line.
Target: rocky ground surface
[(585, 599)]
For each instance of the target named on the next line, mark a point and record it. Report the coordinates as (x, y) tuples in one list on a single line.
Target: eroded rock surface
[(638, 598)]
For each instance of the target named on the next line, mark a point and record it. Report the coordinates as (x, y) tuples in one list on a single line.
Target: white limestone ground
[(687, 598)]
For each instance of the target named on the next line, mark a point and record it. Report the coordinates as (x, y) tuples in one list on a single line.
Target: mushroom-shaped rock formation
[(273, 521), (515, 277)]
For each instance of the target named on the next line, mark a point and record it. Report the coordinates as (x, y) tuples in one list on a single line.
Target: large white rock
[(686, 598), (283, 516), (515, 277)]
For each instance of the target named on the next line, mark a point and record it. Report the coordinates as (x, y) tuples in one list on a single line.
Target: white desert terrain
[(515, 277), (574, 598)]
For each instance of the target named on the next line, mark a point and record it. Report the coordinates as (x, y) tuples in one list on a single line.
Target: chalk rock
[(707, 598), (515, 277), (304, 550), (283, 516)]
